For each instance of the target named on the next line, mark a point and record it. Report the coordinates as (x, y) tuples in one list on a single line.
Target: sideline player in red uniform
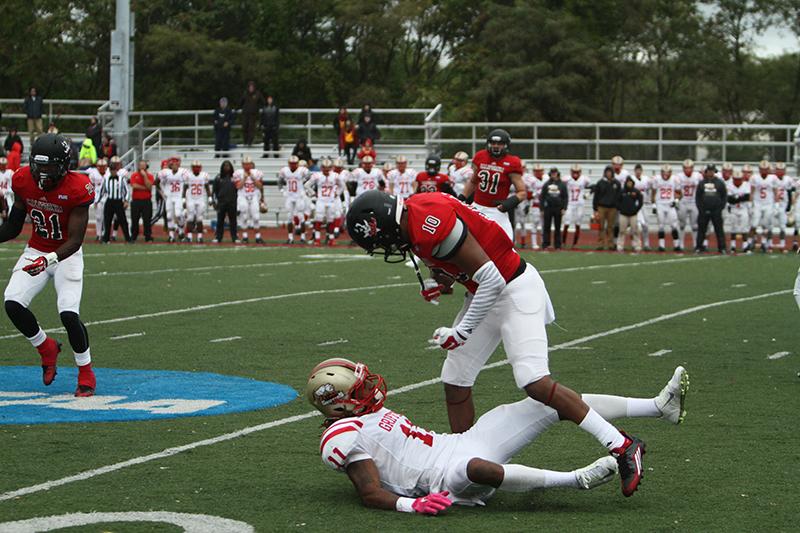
[(431, 180), (495, 171), (507, 300), (57, 201)]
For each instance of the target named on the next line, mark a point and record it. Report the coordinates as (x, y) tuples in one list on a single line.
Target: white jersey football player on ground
[(328, 211), (689, 179), (763, 186), (291, 179), (171, 181), (577, 188), (367, 177), (642, 183), (395, 465), (197, 194), (738, 219), (783, 191), (250, 198), (460, 171), (401, 178), (6, 194), (98, 176), (665, 191)]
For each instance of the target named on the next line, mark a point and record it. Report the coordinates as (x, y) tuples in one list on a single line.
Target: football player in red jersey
[(57, 201), (430, 179), (506, 300), (495, 171)]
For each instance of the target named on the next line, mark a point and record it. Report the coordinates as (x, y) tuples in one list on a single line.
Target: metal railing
[(154, 148), (61, 111)]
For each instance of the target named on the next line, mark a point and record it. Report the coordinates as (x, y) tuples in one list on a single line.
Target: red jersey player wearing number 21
[(57, 201), (507, 300)]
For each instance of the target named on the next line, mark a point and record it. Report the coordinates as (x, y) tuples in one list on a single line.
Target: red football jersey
[(431, 218), (428, 183), (493, 174), (50, 210)]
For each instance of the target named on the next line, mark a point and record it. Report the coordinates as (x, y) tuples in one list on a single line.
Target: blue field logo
[(124, 395)]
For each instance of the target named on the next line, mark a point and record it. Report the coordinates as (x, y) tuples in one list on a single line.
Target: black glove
[(509, 204)]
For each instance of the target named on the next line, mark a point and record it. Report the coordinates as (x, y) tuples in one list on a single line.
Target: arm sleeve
[(13, 226), (490, 285)]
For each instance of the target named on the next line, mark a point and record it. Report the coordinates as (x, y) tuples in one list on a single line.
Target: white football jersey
[(534, 186), (411, 461), (367, 181), (642, 183), (622, 176), (172, 182), (576, 188), (5, 182), (782, 187), (763, 188), (98, 180), (689, 185), (401, 181), (196, 186), (328, 187), (460, 176), (295, 180), (249, 181), (738, 190), (665, 189)]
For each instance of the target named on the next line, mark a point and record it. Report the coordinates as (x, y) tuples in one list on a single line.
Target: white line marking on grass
[(659, 353), (88, 474), (331, 343), (335, 256), (778, 355), (738, 285), (128, 336), (201, 250), (599, 282), (189, 523), (668, 284), (632, 264), (578, 348), (226, 339)]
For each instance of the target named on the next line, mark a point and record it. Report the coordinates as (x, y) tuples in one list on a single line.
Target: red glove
[(432, 291), (41, 263), (432, 503)]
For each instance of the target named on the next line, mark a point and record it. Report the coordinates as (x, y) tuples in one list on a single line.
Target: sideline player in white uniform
[(328, 210), (687, 208), (401, 179), (367, 177), (460, 171), (783, 187), (642, 183), (197, 194), (291, 179), (395, 465), (6, 194), (617, 163), (98, 176), (739, 216), (762, 186), (343, 199), (250, 198), (577, 188), (523, 211), (664, 192), (171, 181)]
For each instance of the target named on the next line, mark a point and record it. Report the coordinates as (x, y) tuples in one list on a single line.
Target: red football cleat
[(86, 381), (49, 351), (629, 460)]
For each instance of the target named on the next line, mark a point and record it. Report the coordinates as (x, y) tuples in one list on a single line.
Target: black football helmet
[(49, 160), (495, 137), (433, 164), (373, 222)]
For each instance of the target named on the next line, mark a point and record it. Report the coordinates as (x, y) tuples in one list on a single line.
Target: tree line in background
[(556, 60)]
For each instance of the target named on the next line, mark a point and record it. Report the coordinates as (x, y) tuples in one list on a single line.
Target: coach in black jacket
[(225, 199), (710, 197), (553, 199)]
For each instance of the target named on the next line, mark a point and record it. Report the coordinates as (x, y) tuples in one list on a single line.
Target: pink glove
[(432, 291), (448, 338), (432, 503)]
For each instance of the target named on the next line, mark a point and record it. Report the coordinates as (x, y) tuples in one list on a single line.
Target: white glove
[(448, 338)]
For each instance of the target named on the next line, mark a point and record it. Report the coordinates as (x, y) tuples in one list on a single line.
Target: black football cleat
[(629, 460)]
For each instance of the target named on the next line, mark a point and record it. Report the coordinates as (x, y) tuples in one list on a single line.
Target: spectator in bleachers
[(223, 118), (302, 150), (338, 126), (630, 203), (11, 138), (604, 203), (88, 152), (51, 128), (366, 110), (225, 196), (14, 156), (33, 107), (250, 106), (270, 124), (350, 140), (367, 150), (108, 148), (368, 130), (94, 131), (141, 203)]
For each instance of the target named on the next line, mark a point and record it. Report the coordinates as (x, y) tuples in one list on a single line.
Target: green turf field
[(733, 464)]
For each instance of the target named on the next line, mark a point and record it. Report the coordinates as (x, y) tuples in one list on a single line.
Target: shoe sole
[(684, 389), (641, 474)]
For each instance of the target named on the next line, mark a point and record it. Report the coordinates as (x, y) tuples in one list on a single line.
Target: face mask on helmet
[(373, 222), (497, 142), (49, 160), (339, 388), (432, 165)]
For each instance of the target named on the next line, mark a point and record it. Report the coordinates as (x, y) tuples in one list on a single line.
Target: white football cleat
[(671, 401), (599, 472)]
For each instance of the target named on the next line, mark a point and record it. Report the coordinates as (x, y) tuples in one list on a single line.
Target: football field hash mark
[(331, 343), (128, 336), (778, 355), (168, 452), (659, 353), (226, 339)]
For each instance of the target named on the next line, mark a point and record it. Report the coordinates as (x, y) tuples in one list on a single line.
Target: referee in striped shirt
[(117, 194)]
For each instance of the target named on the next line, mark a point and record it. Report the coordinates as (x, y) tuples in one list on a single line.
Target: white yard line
[(128, 336), (168, 452), (778, 355), (659, 353), (226, 339)]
